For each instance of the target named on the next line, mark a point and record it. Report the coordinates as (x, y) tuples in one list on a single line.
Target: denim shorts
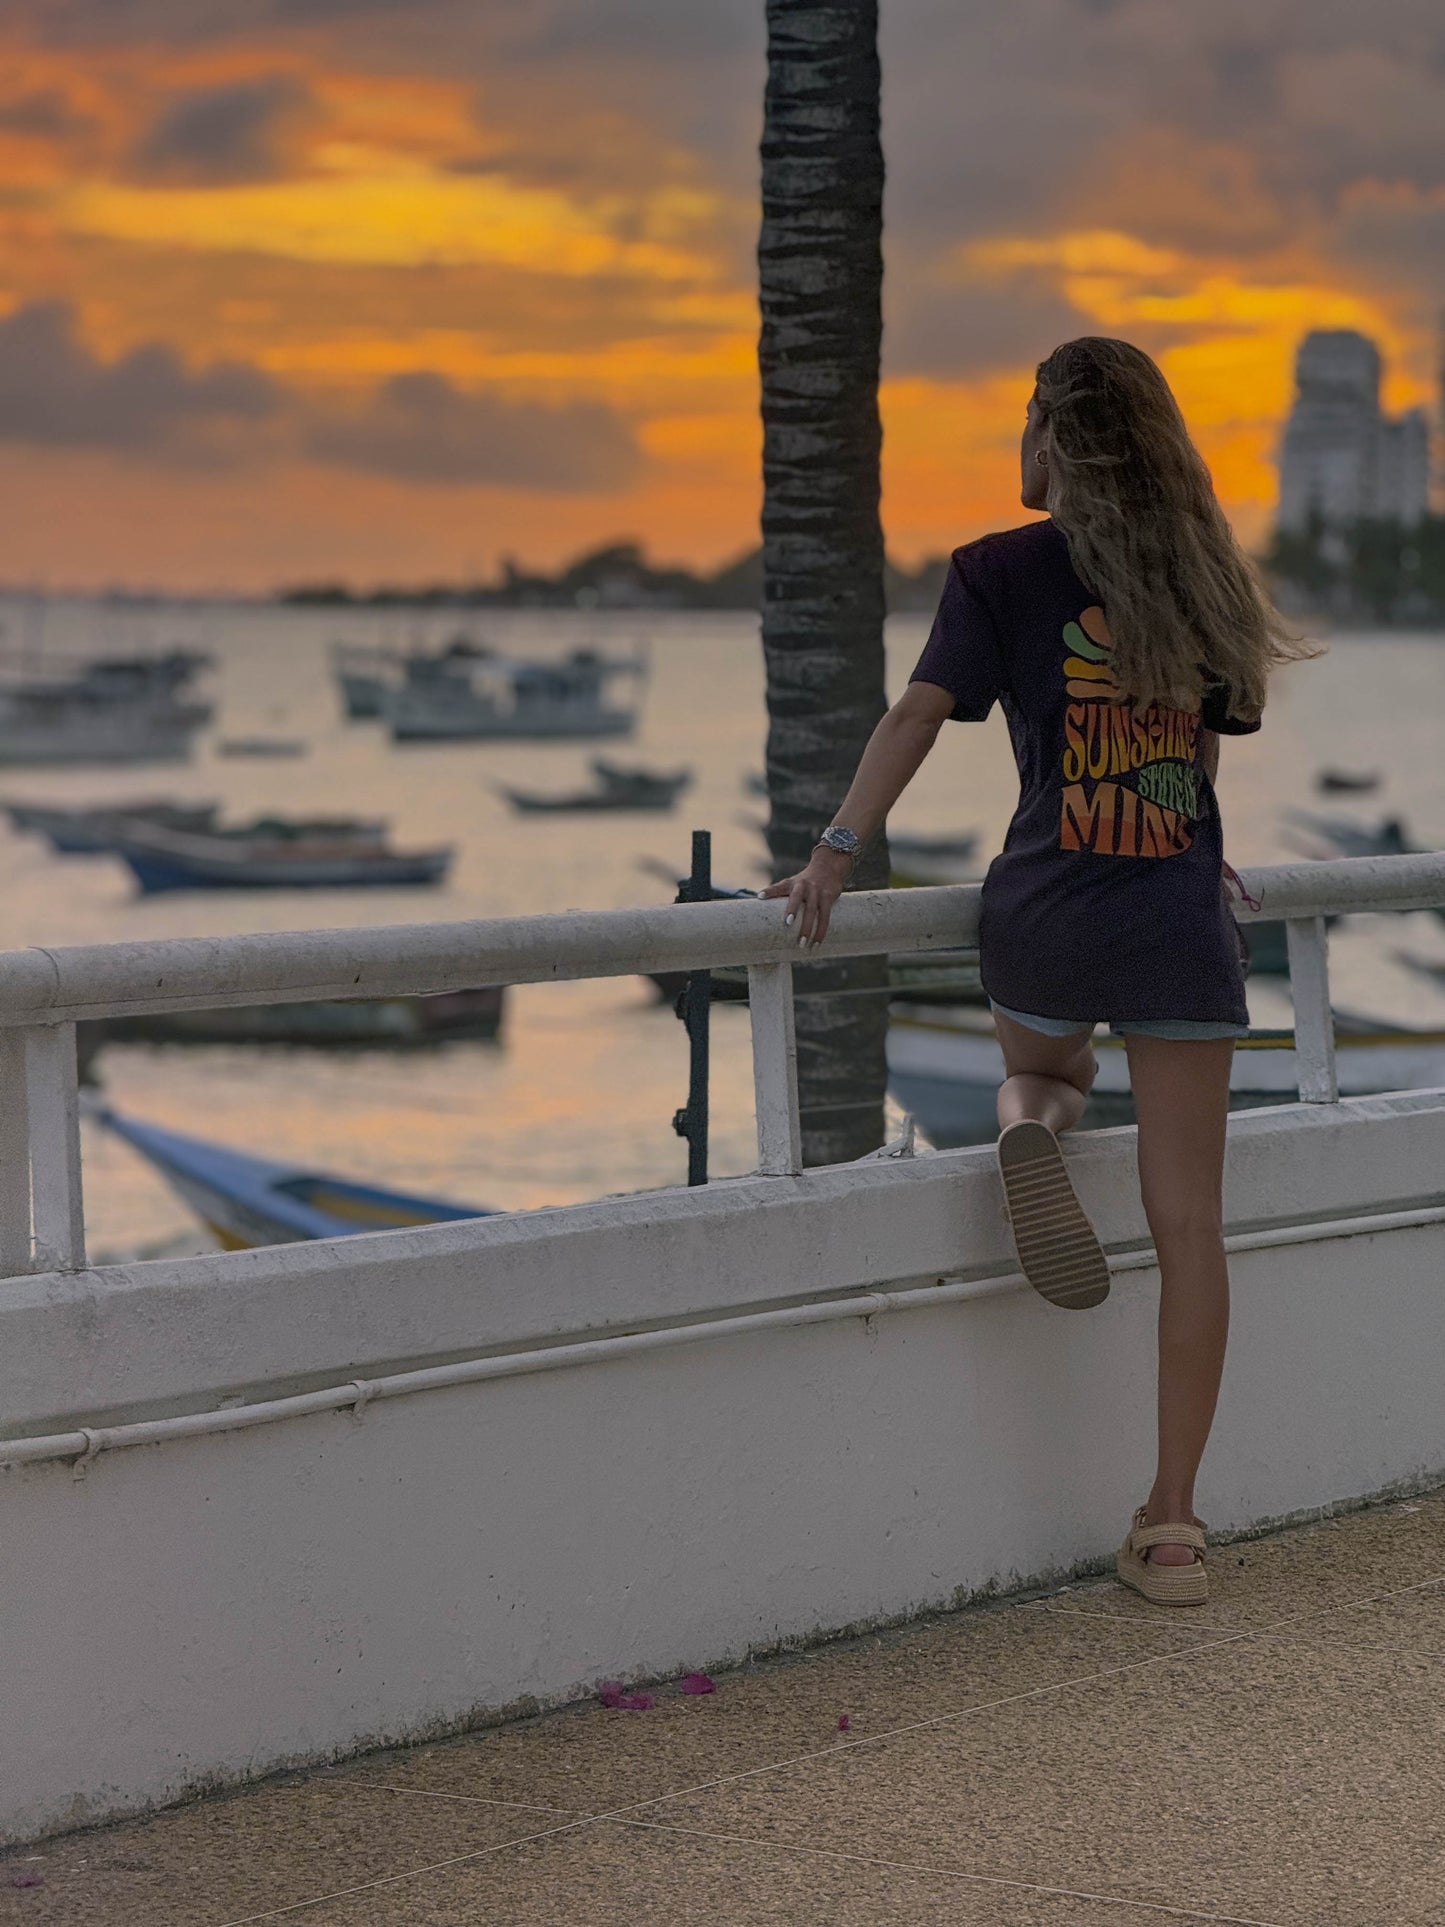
[(1179, 1030)]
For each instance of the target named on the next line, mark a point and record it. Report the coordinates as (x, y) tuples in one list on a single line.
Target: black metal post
[(695, 1010)]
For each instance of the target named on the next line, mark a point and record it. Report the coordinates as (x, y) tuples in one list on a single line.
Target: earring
[(1041, 458)]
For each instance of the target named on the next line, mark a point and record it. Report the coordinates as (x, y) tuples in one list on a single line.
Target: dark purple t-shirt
[(1106, 903)]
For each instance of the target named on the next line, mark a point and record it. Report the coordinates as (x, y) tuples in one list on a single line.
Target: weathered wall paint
[(208, 1610)]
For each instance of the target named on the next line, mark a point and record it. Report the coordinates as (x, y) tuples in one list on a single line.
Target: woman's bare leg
[(1047, 1078), (1181, 1098)]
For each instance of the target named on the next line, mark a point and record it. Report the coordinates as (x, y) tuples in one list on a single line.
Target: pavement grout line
[(1337, 1645), (467, 1799), (1147, 1621), (822, 1753), (948, 1873)]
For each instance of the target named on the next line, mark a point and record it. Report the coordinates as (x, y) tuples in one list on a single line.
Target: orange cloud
[(337, 229)]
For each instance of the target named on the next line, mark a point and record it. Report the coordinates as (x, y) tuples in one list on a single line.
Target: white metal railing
[(43, 993)]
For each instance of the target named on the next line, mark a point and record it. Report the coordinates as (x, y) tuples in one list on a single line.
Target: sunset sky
[(392, 288)]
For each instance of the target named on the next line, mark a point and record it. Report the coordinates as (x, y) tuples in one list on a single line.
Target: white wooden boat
[(946, 1066), (364, 674), (471, 697), (117, 710)]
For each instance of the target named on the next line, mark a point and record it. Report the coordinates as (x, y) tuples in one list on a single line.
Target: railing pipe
[(775, 1070), (84, 1445), (14, 1157), (52, 1102), (43, 993), (99, 980), (1314, 1023)]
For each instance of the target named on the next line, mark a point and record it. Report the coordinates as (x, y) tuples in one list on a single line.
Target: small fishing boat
[(245, 1201), (370, 675), (1344, 781), (614, 788), (1268, 946), (111, 710), (1328, 836), (391, 1023), (907, 849), (472, 695), (261, 746), (90, 831), (1423, 967), (364, 675), (274, 857), (946, 1069)]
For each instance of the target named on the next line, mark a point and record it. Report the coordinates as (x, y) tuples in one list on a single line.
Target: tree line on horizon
[(616, 575), (1372, 571)]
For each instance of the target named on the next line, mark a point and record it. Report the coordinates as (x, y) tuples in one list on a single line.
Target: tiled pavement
[(1276, 1758)]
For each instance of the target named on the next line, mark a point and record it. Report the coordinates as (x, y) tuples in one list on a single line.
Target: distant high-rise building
[(1341, 459), (1402, 487)]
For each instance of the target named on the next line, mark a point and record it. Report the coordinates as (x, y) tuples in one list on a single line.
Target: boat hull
[(93, 832), (528, 805), (948, 1076), (363, 698), (417, 726), (24, 746), (156, 873), (247, 1201), (390, 1022)]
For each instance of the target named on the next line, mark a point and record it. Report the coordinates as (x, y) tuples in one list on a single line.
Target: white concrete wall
[(205, 1610)]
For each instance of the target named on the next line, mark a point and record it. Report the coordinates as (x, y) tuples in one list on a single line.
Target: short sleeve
[(962, 654), (1215, 713)]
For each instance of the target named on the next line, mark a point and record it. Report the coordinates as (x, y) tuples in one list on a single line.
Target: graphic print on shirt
[(1130, 785)]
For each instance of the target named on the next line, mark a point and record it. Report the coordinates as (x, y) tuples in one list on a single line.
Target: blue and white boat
[(245, 1201)]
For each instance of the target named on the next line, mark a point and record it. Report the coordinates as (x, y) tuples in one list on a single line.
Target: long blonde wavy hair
[(1147, 536)]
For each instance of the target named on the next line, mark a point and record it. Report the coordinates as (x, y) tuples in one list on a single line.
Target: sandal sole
[(1164, 1585), (1058, 1251)]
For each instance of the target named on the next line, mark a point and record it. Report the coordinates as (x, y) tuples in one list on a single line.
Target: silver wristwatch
[(836, 837)]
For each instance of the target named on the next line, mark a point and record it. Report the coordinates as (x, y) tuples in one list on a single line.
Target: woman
[(1124, 635)]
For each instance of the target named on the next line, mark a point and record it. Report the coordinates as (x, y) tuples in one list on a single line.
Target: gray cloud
[(1247, 127), (234, 132), (419, 427), (416, 427), (89, 23), (54, 391), (44, 111), (956, 328)]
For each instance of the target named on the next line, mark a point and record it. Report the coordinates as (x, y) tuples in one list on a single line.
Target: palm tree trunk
[(820, 265)]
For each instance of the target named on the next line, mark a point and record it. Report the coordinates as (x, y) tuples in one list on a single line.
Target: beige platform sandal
[(1165, 1585), (1060, 1256)]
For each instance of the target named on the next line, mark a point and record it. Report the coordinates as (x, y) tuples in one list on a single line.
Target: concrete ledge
[(207, 1610), (139, 1341)]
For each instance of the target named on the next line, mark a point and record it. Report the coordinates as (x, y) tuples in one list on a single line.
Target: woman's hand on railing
[(812, 893)]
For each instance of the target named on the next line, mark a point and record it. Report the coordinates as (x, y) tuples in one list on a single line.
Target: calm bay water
[(576, 1100)]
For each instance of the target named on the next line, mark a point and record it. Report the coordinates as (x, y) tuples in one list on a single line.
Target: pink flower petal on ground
[(695, 1683), (845, 1725), (636, 1703), (610, 1691), (27, 1880)]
